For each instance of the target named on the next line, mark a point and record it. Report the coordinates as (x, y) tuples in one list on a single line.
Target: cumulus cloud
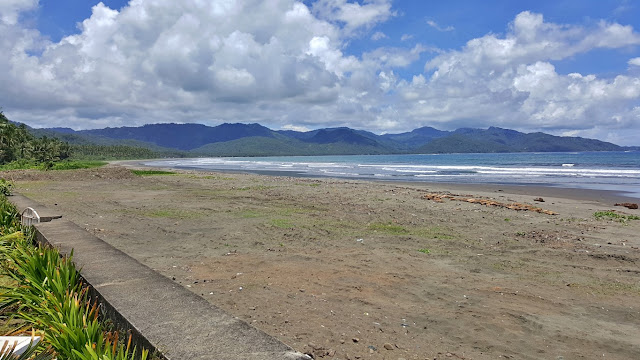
[(153, 57), (10, 9), (353, 14), (285, 64), (511, 80), (634, 61)]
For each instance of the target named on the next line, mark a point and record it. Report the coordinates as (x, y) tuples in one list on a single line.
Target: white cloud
[(393, 57), (378, 35), (510, 81), (10, 9), (295, 128), (353, 14), (284, 64), (153, 57), (435, 25), (406, 37)]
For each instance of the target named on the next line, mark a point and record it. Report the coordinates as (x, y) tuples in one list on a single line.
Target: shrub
[(5, 187)]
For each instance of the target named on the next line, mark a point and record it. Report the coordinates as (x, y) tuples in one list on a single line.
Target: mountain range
[(257, 140)]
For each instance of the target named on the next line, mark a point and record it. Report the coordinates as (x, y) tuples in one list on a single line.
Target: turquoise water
[(619, 171)]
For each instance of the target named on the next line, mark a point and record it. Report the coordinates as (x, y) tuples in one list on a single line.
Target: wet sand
[(349, 269)]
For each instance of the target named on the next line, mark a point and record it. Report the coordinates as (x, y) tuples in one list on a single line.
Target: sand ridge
[(370, 270)]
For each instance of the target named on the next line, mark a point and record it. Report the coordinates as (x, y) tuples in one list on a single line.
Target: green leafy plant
[(6, 187), (9, 221), (46, 293), (49, 295), (32, 352), (425, 251)]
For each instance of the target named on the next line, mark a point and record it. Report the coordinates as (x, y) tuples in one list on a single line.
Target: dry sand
[(333, 268)]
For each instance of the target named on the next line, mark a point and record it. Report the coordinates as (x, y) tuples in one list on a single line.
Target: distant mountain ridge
[(257, 140)]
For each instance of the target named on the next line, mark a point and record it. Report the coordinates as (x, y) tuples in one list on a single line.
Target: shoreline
[(603, 196)]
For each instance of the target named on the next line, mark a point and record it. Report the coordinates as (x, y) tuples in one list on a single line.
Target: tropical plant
[(18, 144), (5, 187), (7, 352), (49, 295), (9, 220)]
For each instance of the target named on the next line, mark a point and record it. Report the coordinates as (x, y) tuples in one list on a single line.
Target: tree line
[(18, 144)]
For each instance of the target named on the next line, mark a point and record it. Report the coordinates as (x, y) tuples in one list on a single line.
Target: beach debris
[(488, 202), (360, 241), (628, 205), (538, 199), (388, 346)]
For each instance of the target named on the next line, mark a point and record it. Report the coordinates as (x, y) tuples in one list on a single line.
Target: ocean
[(617, 171)]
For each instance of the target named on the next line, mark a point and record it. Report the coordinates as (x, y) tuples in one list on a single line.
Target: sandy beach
[(349, 269)]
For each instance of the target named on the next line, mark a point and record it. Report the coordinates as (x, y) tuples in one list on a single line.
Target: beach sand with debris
[(350, 269)]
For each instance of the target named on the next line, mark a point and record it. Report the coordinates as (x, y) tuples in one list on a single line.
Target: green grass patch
[(152, 172), (612, 215), (388, 228), (425, 251), (281, 223), (606, 288), (60, 165), (251, 214), (19, 165), (79, 164), (308, 184)]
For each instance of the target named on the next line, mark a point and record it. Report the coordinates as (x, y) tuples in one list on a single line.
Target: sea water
[(619, 171)]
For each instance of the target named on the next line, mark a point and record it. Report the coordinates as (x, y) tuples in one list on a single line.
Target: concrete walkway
[(162, 314)]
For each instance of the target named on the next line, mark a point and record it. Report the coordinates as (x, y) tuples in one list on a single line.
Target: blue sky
[(563, 67)]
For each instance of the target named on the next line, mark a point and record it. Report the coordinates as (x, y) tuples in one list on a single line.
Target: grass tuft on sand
[(612, 215)]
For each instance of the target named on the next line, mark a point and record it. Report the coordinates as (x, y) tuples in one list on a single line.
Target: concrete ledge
[(162, 315), (23, 202)]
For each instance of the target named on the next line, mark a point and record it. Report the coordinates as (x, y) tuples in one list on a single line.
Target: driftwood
[(488, 202), (628, 205)]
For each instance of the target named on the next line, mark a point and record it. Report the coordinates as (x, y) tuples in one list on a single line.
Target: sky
[(565, 67)]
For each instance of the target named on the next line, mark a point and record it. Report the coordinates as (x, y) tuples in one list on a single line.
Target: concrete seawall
[(161, 314)]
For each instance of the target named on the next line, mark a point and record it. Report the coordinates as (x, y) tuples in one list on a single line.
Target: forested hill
[(258, 140), (504, 140)]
